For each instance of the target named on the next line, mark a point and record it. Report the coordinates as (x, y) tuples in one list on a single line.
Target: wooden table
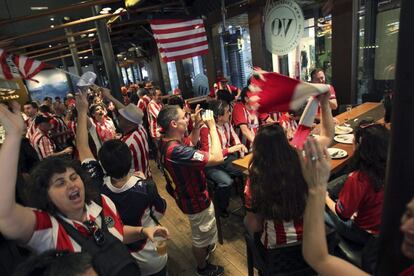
[(373, 110)]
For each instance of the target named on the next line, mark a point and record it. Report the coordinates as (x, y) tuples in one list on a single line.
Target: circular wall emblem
[(283, 28)]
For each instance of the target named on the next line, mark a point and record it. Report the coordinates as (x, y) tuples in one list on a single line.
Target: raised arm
[(16, 222), (215, 154), (82, 142), (316, 170), (198, 122), (107, 94), (327, 123)]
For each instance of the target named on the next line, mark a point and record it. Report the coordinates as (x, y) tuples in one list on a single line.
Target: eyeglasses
[(95, 231)]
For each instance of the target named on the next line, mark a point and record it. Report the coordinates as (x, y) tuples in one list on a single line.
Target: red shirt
[(242, 116), (184, 172), (226, 134), (358, 196), (276, 233)]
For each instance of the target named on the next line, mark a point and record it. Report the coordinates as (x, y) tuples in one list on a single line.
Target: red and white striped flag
[(179, 38), (14, 66), (270, 91)]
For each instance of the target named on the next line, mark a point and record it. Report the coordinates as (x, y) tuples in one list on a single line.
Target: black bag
[(110, 257)]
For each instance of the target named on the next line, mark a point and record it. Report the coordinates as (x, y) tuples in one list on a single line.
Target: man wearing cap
[(41, 140), (134, 134), (222, 84)]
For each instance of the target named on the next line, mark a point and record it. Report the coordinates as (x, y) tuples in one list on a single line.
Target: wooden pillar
[(211, 58), (260, 55), (184, 81), (399, 188), (344, 51)]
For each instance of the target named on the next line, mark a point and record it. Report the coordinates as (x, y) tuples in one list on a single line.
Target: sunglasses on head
[(95, 231)]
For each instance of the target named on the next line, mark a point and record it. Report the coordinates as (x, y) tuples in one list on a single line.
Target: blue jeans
[(222, 175), (347, 229)]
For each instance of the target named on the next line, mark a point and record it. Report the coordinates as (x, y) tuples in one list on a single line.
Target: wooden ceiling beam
[(60, 45), (59, 50), (77, 6), (66, 55), (86, 20), (62, 38)]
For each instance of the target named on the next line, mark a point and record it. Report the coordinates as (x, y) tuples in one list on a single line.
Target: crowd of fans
[(84, 163)]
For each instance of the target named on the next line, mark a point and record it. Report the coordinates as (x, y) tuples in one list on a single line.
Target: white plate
[(345, 138), (343, 130), (336, 153)]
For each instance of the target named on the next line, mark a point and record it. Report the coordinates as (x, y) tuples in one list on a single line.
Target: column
[(108, 55), (73, 51), (68, 78)]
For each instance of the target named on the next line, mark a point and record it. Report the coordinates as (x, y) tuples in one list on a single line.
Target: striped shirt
[(286, 121), (137, 141), (227, 137), (242, 116), (153, 110), (31, 127), (143, 103), (275, 233), (59, 126), (42, 143), (105, 129), (50, 234)]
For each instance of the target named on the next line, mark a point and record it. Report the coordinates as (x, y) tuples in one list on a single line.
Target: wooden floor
[(231, 255)]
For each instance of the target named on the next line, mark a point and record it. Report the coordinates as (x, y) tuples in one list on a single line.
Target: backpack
[(110, 257)]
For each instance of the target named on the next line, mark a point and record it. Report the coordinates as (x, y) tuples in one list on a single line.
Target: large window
[(232, 46), (378, 38)]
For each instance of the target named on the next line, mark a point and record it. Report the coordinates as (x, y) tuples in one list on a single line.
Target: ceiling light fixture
[(52, 19), (91, 35), (83, 35), (85, 57), (52, 26), (104, 12), (39, 8), (50, 46), (107, 9)]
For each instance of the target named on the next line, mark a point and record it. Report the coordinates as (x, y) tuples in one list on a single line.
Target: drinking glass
[(161, 245), (348, 115)]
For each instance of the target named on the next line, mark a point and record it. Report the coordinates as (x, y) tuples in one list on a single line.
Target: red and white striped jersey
[(275, 233), (105, 129), (286, 121), (143, 103), (59, 126), (137, 141), (242, 116), (72, 127), (31, 128), (227, 136), (42, 143), (50, 234), (153, 110)]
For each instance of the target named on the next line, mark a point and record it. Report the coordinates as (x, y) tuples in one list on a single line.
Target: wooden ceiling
[(41, 33)]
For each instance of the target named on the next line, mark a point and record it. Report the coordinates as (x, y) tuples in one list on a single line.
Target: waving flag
[(14, 66), (270, 91), (179, 38)]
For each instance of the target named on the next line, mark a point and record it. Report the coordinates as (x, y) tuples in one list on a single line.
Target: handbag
[(110, 257)]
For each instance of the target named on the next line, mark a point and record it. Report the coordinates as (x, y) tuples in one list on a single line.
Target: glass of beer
[(161, 245)]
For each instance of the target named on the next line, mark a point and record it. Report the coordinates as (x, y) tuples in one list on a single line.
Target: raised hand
[(12, 121), (81, 103), (208, 118), (315, 165)]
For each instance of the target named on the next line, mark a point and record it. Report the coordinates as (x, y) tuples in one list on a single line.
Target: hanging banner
[(283, 26)]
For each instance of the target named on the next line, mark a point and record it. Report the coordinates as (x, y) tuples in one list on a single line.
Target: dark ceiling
[(30, 32)]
